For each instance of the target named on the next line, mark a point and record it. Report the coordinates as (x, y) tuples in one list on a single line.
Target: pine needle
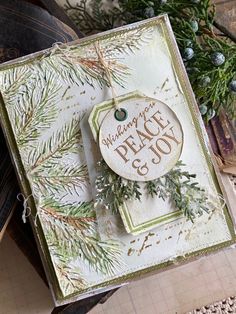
[(79, 237)]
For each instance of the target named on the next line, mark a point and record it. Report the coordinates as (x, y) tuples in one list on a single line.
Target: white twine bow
[(26, 209), (65, 51)]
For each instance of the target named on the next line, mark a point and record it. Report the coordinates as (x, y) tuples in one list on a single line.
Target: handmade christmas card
[(113, 159)]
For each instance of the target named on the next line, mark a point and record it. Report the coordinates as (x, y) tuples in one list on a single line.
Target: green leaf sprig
[(113, 190), (177, 185)]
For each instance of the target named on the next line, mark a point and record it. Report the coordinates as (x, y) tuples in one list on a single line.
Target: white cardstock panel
[(156, 78), (152, 73)]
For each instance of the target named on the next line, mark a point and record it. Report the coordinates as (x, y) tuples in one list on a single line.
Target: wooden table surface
[(226, 16)]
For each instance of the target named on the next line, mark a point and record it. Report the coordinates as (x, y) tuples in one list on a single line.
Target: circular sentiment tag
[(142, 141)]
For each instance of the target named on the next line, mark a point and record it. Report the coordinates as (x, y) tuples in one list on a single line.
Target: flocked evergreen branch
[(113, 190), (210, 59), (35, 107), (156, 188), (177, 185), (79, 237)]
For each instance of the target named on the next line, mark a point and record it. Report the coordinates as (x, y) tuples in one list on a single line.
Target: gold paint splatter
[(147, 246), (69, 97), (130, 252), (163, 85), (158, 242), (66, 90), (132, 241), (83, 92), (150, 234)]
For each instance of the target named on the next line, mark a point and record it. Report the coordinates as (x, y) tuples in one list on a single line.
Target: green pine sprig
[(77, 231), (46, 167), (193, 23), (66, 140), (33, 112), (69, 276), (60, 178)]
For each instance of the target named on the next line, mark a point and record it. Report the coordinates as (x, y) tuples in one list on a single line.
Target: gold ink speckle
[(69, 97), (130, 252), (163, 85), (66, 90), (150, 234)]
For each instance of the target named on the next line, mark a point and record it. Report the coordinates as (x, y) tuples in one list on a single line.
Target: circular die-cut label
[(144, 146)]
